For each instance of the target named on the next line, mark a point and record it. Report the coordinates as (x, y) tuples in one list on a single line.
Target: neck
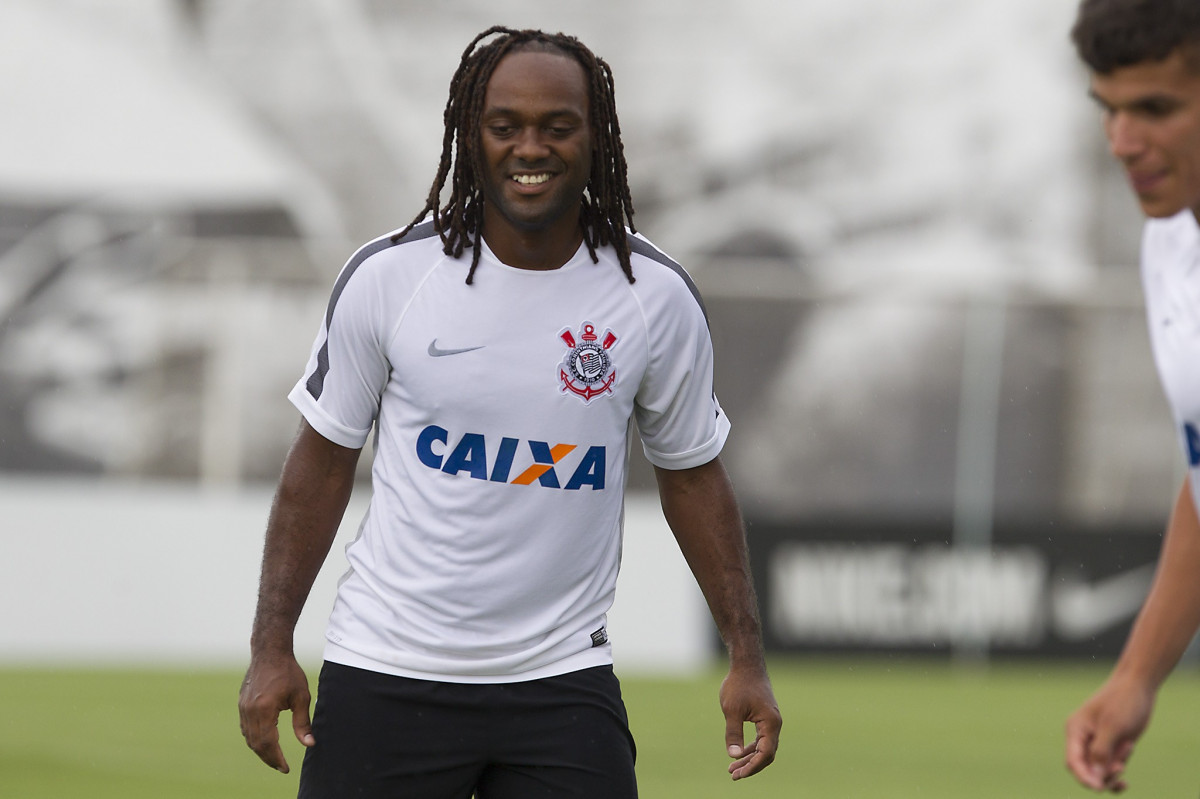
[(540, 250)]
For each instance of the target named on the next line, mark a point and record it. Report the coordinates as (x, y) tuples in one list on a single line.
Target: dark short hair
[(1111, 34)]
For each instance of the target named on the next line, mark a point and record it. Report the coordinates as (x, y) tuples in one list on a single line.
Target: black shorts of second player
[(378, 736)]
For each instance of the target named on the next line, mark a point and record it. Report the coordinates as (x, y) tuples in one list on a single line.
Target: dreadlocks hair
[(607, 207)]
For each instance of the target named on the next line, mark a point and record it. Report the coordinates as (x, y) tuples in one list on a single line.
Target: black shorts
[(378, 736)]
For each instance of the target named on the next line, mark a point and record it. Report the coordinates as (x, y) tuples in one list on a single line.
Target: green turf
[(852, 729)]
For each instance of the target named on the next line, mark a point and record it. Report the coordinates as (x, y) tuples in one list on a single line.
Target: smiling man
[(467, 652), (1144, 57), (534, 184)]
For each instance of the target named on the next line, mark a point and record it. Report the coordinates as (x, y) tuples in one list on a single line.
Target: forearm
[(701, 509), (313, 492), (1171, 614)]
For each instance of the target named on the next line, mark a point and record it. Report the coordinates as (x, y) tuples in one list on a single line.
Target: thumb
[(735, 740), (301, 723)]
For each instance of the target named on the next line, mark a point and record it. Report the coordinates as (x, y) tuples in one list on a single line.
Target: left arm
[(701, 509), (1101, 734)]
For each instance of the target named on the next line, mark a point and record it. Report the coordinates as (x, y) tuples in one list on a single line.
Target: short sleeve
[(348, 368), (680, 421)]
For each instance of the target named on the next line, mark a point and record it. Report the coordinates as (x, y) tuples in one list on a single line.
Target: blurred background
[(919, 266)]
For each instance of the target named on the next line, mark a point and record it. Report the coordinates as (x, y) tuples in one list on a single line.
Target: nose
[(1125, 139), (530, 144)]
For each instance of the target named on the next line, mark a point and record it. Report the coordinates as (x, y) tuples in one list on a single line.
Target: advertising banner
[(862, 587)]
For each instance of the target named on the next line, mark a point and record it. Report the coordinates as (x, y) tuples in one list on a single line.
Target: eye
[(1156, 106), (500, 129), (1158, 109)]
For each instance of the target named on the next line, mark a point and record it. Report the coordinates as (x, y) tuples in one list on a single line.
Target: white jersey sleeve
[(678, 417), (348, 369)]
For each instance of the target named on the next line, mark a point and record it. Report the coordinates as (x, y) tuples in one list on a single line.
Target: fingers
[(259, 728), (1108, 755), (1102, 734), (759, 754), (1079, 736), (267, 691), (748, 766), (1094, 757), (1114, 780), (746, 696)]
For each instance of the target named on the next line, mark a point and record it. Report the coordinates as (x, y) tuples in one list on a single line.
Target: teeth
[(531, 180)]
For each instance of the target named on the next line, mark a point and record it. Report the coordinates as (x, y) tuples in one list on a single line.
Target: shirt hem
[(589, 658)]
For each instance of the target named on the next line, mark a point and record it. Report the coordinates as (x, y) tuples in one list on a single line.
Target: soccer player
[(1144, 58), (503, 346)]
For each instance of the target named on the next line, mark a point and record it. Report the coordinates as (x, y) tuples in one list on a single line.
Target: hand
[(1101, 734), (746, 696), (273, 685)]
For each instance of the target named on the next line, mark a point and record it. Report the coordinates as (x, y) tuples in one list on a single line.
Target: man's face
[(1152, 120), (536, 142)]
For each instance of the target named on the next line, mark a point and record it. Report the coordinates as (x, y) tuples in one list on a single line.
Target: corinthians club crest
[(586, 370)]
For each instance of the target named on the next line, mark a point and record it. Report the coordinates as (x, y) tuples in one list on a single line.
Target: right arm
[(1102, 733), (313, 492), (701, 509)]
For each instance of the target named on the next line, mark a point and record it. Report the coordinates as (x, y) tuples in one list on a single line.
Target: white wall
[(158, 573)]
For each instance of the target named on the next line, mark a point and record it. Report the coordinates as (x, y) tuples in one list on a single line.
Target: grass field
[(875, 728)]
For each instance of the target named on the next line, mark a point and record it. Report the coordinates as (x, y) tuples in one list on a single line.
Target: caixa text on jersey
[(482, 459)]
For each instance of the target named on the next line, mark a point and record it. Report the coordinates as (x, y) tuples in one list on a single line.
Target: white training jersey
[(1171, 282), (502, 414)]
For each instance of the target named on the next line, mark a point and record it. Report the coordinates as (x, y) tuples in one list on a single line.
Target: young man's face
[(536, 142), (1152, 120)]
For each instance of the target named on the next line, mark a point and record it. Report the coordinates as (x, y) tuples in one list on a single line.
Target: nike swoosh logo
[(1081, 610), (437, 352)]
